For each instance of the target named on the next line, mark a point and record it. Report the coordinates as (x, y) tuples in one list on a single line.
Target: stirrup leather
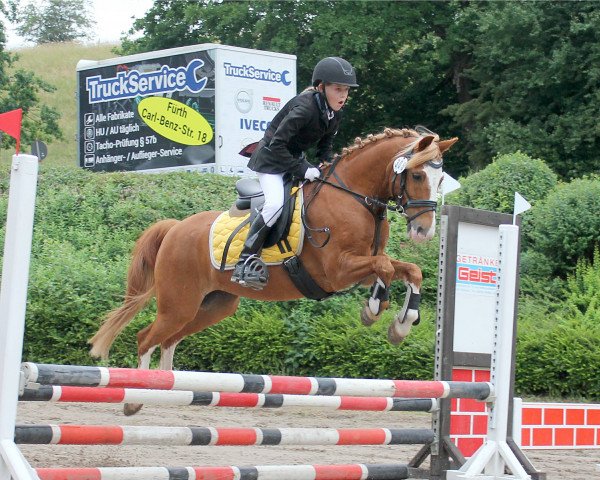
[(251, 272)]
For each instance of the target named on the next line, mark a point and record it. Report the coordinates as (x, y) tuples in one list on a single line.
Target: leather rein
[(377, 207)]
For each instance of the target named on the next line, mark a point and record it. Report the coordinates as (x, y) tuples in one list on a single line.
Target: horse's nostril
[(419, 230)]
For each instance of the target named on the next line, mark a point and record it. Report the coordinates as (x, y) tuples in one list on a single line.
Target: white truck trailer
[(188, 108)]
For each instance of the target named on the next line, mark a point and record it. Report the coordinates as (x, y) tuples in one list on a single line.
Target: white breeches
[(272, 187)]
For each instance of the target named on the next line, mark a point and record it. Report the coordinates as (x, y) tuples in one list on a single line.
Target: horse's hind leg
[(168, 320), (215, 307)]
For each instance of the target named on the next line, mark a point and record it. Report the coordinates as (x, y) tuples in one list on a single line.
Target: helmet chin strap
[(330, 112)]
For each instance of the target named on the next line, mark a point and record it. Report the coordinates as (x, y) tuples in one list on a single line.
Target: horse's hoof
[(393, 337), (132, 408), (366, 316), (398, 330)]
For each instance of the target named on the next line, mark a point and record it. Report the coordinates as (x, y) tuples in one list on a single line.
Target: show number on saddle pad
[(225, 224)]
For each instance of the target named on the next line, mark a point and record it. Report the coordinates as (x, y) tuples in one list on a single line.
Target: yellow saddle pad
[(225, 224)]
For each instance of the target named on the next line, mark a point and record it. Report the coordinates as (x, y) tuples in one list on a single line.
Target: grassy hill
[(55, 64)]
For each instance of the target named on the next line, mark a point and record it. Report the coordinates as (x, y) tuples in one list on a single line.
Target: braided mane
[(387, 133), (429, 153)]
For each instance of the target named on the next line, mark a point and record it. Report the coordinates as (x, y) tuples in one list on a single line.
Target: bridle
[(398, 183), (377, 207), (425, 205)]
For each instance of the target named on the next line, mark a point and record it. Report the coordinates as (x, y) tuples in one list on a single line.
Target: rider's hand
[(312, 174)]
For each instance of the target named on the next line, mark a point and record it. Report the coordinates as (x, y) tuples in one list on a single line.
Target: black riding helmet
[(334, 70)]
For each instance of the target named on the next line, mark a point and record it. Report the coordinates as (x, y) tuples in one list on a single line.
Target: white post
[(490, 461), (13, 299), (517, 432)]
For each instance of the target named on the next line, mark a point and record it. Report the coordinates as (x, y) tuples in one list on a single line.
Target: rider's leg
[(272, 186)]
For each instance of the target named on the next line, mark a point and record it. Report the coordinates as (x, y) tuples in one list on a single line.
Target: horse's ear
[(446, 144), (424, 143)]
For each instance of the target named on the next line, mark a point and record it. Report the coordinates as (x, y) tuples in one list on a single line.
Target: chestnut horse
[(171, 259)]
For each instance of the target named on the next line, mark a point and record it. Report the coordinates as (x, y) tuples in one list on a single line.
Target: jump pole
[(13, 300)]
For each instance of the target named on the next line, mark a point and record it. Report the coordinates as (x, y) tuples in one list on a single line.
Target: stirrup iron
[(253, 273)]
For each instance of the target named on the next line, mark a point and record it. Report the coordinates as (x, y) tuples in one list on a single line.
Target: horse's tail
[(140, 288)]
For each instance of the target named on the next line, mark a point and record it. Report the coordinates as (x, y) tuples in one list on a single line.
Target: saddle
[(251, 199), (230, 229)]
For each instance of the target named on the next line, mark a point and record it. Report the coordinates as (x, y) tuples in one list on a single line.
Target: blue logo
[(253, 73), (132, 83), (253, 124)]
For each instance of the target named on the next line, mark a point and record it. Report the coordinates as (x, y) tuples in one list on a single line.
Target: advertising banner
[(476, 281), (251, 90), (187, 108), (148, 114)]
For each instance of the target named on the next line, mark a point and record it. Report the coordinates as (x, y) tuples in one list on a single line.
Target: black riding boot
[(250, 270)]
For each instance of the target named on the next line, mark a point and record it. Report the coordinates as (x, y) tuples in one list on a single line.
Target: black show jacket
[(299, 125)]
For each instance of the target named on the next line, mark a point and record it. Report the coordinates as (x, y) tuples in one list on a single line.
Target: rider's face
[(336, 95)]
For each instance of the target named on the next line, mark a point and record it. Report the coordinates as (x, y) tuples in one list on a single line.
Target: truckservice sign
[(150, 114)]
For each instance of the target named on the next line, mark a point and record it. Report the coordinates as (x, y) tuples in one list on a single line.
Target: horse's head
[(417, 177), (401, 166)]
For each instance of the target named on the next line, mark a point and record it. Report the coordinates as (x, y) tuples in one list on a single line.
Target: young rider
[(311, 118)]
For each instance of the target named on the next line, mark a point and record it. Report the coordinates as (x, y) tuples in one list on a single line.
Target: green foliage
[(22, 89), (494, 187), (559, 360), (455, 67), (52, 21), (56, 64), (565, 228), (86, 225), (528, 78), (559, 339), (583, 291)]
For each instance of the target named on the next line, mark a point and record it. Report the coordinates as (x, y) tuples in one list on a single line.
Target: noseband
[(425, 205)]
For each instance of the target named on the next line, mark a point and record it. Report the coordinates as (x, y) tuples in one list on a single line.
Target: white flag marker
[(521, 205), (449, 185)]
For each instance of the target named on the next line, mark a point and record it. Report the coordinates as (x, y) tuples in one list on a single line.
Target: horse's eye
[(417, 177)]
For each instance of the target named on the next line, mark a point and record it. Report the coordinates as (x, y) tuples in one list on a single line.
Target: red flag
[(10, 122)]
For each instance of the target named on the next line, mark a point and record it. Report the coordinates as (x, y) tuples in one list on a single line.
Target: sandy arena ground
[(558, 464)]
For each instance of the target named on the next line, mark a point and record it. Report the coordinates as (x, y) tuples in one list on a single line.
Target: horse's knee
[(415, 276), (384, 269)]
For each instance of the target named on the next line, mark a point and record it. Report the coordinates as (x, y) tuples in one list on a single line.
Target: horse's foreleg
[(378, 301), (409, 313), (356, 269)]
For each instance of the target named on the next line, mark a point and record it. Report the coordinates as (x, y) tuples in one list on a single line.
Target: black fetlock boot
[(250, 270)]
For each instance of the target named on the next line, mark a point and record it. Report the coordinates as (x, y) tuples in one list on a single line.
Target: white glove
[(312, 173)]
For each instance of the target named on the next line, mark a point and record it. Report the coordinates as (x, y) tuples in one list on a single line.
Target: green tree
[(530, 80), (381, 39), (494, 187), (503, 76), (52, 20), (21, 89), (565, 227)]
